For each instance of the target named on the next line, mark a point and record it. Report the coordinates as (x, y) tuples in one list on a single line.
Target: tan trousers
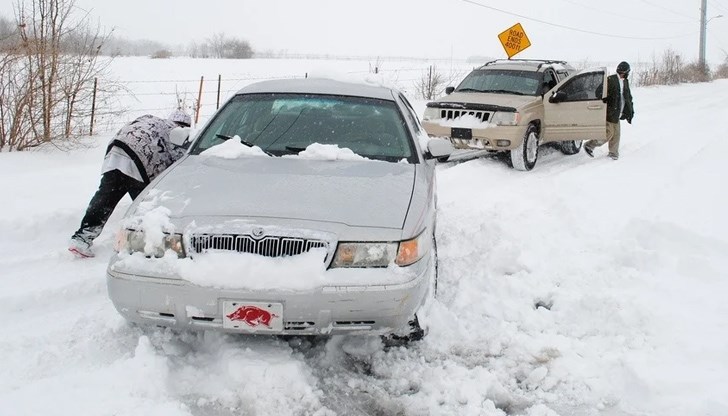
[(613, 135)]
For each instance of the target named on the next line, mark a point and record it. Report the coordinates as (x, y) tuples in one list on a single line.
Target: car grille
[(451, 114), (270, 246)]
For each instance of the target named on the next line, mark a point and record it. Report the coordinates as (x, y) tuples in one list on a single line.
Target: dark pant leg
[(114, 185), (135, 187)]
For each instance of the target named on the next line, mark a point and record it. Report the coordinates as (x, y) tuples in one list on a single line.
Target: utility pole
[(703, 28)]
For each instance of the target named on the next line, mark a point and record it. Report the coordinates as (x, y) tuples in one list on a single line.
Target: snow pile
[(152, 219), (467, 121), (233, 149), (317, 151), (248, 271)]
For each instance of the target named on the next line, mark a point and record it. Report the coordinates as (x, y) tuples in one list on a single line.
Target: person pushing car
[(139, 152)]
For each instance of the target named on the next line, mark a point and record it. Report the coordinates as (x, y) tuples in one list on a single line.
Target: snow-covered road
[(584, 287)]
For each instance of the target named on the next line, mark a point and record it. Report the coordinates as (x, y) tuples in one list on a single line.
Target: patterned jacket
[(146, 141)]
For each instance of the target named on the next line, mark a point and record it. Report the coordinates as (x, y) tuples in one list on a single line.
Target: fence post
[(219, 82), (93, 108), (199, 98), (429, 84)]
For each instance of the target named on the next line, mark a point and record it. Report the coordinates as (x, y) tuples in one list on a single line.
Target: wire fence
[(202, 96)]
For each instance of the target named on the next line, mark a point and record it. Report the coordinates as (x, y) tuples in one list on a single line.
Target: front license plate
[(460, 133), (252, 316)]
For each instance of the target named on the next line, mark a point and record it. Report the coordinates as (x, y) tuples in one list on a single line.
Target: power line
[(659, 6), (574, 28), (718, 6), (624, 16)]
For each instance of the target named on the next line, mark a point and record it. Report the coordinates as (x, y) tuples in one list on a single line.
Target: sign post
[(514, 40)]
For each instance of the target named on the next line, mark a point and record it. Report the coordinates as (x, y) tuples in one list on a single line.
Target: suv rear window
[(502, 81)]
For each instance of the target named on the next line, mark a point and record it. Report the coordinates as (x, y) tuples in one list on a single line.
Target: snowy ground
[(627, 260)]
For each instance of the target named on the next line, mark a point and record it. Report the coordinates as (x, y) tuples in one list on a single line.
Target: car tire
[(524, 156), (571, 147), (415, 333)]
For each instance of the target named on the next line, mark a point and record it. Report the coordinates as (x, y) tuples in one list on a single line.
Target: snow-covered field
[(585, 287)]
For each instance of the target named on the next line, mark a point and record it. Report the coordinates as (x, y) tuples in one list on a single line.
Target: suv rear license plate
[(459, 133), (252, 316)]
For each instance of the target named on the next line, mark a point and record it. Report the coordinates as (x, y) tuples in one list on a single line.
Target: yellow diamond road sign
[(514, 40)]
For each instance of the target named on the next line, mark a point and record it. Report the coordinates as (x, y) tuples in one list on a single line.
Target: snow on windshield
[(233, 149), (317, 151)]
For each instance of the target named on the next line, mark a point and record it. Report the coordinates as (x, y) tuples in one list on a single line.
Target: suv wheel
[(524, 156), (571, 147)]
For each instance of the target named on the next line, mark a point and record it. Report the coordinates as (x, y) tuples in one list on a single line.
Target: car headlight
[(403, 253), (410, 251), (364, 254), (431, 113), (133, 241), (502, 118)]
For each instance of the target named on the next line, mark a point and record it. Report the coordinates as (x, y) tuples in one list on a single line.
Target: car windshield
[(501, 81), (282, 124)]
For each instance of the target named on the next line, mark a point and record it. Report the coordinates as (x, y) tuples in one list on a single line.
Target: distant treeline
[(219, 45)]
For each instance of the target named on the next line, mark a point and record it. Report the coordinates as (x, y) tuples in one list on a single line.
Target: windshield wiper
[(226, 137), (469, 90), (296, 149), (504, 92)]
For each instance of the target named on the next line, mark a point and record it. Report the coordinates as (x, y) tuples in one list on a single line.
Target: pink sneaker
[(80, 248)]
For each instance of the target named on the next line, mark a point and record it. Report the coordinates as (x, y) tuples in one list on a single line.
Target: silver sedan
[(302, 207)]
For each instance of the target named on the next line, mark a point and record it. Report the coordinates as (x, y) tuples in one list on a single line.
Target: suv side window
[(584, 87), (549, 81)]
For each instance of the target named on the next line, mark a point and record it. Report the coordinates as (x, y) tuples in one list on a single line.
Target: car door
[(574, 109)]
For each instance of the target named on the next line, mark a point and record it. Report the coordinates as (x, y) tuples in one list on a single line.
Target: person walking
[(619, 107), (139, 152)]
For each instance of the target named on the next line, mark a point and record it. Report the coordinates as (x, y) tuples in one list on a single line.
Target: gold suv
[(517, 105)]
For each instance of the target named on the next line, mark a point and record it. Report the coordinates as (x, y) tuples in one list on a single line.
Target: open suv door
[(575, 110)]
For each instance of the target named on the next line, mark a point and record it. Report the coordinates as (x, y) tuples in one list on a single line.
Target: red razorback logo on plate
[(252, 315)]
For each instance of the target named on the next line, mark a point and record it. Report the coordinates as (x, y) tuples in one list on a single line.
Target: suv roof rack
[(541, 62)]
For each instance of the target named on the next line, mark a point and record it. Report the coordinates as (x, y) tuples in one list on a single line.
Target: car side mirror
[(449, 90), (439, 148), (179, 136), (557, 97)]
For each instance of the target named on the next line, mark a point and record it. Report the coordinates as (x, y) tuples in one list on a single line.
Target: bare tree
[(48, 74), (432, 83), (221, 46), (217, 45), (667, 71), (722, 71), (237, 49)]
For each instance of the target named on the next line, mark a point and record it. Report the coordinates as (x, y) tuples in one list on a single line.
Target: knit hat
[(623, 67), (180, 117)]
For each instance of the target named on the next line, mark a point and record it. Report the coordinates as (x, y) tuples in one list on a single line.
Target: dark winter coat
[(146, 141), (614, 101)]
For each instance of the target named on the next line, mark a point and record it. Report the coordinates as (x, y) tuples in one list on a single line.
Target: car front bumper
[(490, 138), (326, 310)]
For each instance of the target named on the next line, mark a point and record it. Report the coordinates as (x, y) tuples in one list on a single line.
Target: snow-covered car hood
[(356, 193), (504, 100)]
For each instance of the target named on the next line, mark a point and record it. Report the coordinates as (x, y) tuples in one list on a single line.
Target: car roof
[(319, 86), (525, 64)]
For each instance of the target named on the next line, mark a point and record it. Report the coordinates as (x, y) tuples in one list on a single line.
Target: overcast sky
[(568, 29)]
